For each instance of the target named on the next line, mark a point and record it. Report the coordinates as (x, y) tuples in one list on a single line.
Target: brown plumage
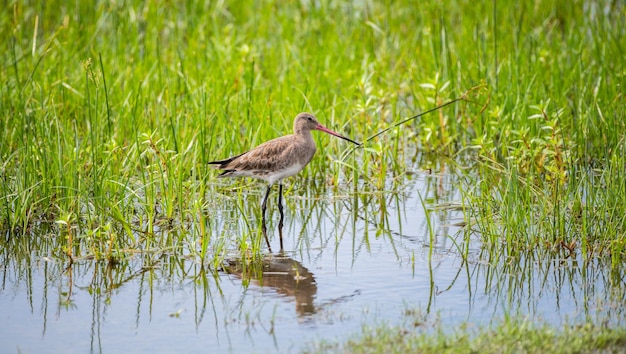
[(277, 159)]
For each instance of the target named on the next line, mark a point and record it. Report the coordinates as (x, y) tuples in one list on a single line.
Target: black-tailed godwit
[(277, 159)]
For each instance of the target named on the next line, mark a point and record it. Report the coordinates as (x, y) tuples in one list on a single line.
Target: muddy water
[(349, 261)]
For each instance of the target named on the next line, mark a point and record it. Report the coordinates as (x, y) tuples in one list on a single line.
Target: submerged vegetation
[(110, 111)]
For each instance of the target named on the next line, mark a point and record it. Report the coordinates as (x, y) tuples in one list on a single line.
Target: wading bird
[(277, 159)]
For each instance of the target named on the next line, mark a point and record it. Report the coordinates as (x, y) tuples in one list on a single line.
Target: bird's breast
[(278, 175)]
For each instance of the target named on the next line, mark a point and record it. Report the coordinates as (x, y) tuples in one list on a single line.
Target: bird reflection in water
[(281, 273)]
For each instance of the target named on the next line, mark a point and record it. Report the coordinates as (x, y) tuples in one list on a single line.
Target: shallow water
[(349, 261)]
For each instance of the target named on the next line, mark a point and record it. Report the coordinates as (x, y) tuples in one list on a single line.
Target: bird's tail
[(221, 164)]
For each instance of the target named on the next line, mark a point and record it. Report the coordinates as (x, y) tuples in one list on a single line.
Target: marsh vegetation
[(110, 111)]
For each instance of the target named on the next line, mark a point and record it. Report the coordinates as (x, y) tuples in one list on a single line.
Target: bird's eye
[(309, 118)]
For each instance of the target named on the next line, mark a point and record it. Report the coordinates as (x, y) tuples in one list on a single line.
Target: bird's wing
[(267, 156)]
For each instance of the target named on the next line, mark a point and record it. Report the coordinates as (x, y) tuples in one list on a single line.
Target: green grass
[(508, 336), (110, 111)]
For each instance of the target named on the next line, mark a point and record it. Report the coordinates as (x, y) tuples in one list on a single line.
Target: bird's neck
[(303, 133), (304, 137)]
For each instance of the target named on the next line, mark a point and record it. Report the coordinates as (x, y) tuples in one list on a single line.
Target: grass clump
[(551, 149), (509, 336)]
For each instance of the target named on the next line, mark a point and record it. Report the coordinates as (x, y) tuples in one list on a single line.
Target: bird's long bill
[(326, 130)]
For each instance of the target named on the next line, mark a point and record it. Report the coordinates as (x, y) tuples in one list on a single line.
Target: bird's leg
[(282, 215), (263, 226)]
